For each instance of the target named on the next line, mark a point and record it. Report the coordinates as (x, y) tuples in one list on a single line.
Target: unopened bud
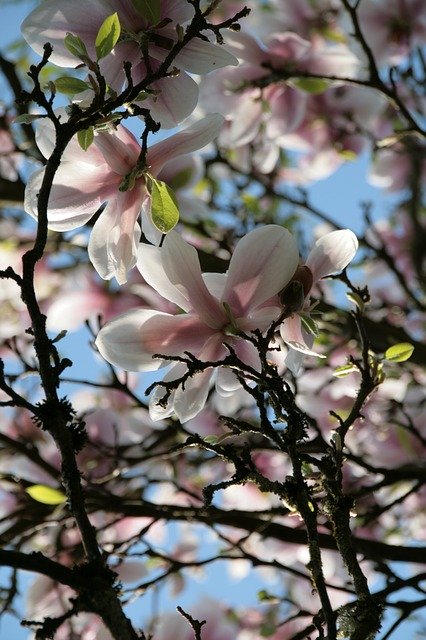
[(293, 297)]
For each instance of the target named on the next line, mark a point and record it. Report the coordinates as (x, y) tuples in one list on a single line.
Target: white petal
[(54, 18), (119, 341), (115, 236), (182, 267), (151, 268), (186, 141), (332, 253), (199, 56)]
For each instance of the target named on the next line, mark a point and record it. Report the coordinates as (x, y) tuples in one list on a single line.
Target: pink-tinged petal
[(260, 318), (182, 268), (295, 337), (54, 18), (332, 253), (246, 47), (151, 268), (176, 101), (227, 381), (78, 190), (172, 335), (120, 149), (114, 239), (288, 108), (248, 117), (291, 329), (112, 68), (119, 341), (70, 309), (46, 138), (262, 264), (190, 400), (156, 410), (199, 56), (186, 141)]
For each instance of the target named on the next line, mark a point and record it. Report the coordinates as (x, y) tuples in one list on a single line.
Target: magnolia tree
[(156, 168)]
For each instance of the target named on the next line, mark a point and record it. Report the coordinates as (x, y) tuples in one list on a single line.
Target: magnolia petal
[(177, 99), (119, 148), (262, 264), (114, 239), (119, 341), (182, 268), (78, 190), (54, 18), (215, 283), (171, 335), (332, 253), (151, 268), (158, 411), (150, 231), (190, 400), (186, 141), (200, 56), (260, 318), (294, 361), (248, 117)]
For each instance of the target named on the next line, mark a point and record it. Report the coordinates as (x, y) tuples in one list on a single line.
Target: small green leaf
[(108, 35), (85, 138), (265, 596), (164, 208), (27, 118), (399, 352), (76, 46), (46, 495), (334, 35), (149, 9), (344, 370), (356, 299), (309, 324), (66, 84), (268, 629), (211, 439), (311, 85)]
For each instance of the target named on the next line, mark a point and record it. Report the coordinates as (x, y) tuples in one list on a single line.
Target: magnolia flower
[(175, 97), (331, 253), (216, 306), (108, 172)]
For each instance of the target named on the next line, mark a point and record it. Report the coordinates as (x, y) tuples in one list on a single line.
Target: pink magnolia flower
[(215, 306), (176, 97), (393, 27), (331, 253), (85, 180)]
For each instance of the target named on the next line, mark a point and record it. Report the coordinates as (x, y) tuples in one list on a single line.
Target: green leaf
[(76, 46), (46, 495), (399, 352), (344, 370), (66, 84), (309, 324), (311, 85), (356, 299), (85, 138), (27, 118), (108, 35), (164, 208), (149, 9)]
